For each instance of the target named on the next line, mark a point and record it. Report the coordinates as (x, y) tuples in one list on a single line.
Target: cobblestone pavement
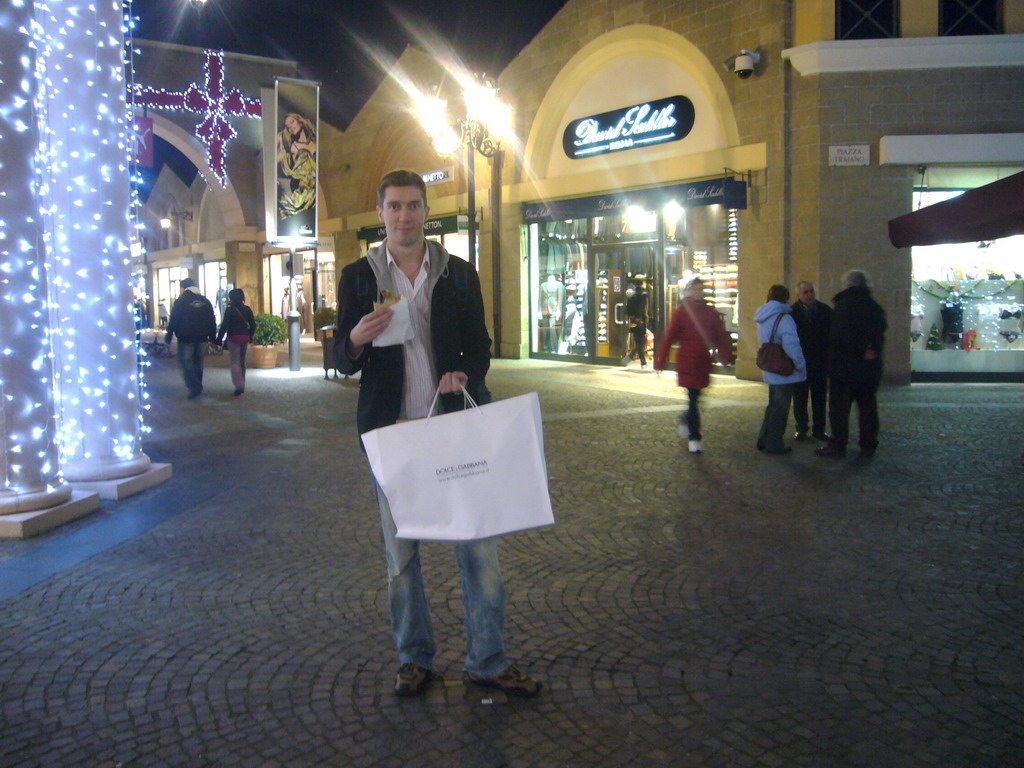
[(724, 609)]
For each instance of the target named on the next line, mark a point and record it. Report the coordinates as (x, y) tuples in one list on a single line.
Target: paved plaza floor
[(728, 609)]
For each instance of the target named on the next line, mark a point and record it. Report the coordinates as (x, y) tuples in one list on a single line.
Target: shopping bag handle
[(467, 400)]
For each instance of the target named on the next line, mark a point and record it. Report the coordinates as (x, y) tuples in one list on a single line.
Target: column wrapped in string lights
[(87, 198), (29, 460)]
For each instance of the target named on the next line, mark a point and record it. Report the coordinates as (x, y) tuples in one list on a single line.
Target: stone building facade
[(775, 132)]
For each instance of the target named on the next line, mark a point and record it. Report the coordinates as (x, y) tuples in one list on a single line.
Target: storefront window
[(702, 241), (560, 281), (166, 289), (966, 302), (585, 273), (606, 271), (213, 284), (327, 281)]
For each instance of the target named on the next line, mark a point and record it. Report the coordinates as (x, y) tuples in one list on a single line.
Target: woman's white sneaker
[(684, 430), (695, 447)]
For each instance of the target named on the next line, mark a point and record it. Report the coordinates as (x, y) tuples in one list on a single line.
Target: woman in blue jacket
[(780, 388)]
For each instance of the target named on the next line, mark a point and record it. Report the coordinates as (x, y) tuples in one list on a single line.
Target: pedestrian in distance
[(695, 328), (193, 322), (236, 330), (855, 365), (813, 320), (775, 321), (449, 349), (637, 314)]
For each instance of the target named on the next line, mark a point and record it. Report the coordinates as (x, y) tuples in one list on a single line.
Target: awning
[(986, 213)]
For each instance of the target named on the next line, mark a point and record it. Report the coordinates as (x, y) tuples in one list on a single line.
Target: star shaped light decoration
[(214, 102)]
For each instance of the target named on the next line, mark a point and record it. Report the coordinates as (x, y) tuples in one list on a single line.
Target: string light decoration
[(29, 457), (138, 247), (214, 102), (83, 185)]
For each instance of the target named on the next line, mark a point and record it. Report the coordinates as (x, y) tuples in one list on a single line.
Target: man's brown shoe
[(412, 679), (511, 681)]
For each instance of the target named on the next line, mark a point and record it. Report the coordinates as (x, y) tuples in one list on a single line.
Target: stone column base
[(22, 525), (123, 487)]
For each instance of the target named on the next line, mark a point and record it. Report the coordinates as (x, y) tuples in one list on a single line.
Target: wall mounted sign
[(849, 154), (436, 177), (727, 192), (642, 125)]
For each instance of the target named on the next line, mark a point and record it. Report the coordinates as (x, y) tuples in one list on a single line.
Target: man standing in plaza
[(449, 349), (193, 322), (813, 324), (855, 365)]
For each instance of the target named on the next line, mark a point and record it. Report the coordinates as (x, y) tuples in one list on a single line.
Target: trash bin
[(327, 341)]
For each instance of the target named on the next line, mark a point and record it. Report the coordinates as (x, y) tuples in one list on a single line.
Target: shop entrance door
[(608, 303), (619, 271)]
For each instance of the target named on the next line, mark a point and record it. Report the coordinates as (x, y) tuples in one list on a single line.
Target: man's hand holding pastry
[(371, 325)]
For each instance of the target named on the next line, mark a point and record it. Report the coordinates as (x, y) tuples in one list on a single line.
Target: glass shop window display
[(966, 302), (703, 241), (560, 284)]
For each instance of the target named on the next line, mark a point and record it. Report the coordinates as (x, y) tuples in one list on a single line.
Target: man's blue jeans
[(483, 596), (190, 355)]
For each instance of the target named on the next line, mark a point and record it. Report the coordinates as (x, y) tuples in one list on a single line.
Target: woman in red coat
[(696, 327)]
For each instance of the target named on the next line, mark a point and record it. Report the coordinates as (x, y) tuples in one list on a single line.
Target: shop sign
[(641, 125), (727, 192), (441, 225), (436, 177), (849, 154)]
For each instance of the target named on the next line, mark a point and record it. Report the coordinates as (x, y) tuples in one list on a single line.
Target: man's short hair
[(695, 283), (857, 278), (188, 282), (778, 293), (401, 178)]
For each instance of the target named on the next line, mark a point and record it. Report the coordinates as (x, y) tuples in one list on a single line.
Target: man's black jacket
[(814, 329), (458, 334), (858, 324)]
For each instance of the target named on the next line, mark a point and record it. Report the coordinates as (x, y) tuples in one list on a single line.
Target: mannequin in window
[(552, 299)]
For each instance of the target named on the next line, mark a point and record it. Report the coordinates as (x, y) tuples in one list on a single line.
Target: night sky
[(330, 40)]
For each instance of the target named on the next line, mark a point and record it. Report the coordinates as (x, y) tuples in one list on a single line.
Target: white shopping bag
[(466, 475)]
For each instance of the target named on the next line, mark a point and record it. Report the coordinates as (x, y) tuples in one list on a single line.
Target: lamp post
[(487, 121)]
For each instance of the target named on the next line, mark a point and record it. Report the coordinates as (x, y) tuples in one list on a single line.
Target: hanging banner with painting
[(293, 219)]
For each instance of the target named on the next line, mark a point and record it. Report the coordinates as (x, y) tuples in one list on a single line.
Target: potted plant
[(270, 331)]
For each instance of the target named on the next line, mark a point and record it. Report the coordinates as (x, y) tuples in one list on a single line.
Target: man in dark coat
[(855, 365), (193, 322), (813, 324), (446, 348)]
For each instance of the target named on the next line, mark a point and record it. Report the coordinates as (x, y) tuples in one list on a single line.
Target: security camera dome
[(744, 66)]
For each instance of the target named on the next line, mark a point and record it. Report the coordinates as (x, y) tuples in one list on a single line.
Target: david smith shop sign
[(641, 125)]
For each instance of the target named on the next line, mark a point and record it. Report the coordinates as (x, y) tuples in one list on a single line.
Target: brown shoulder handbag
[(772, 357)]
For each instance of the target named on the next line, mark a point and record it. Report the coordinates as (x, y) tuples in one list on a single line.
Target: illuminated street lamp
[(486, 123)]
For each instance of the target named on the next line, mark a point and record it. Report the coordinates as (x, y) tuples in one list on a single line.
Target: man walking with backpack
[(193, 322)]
